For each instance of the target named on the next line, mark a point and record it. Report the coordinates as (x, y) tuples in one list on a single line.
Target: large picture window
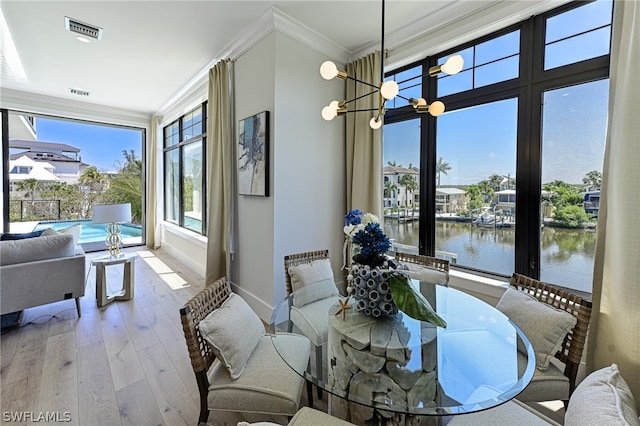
[(184, 168), (509, 176)]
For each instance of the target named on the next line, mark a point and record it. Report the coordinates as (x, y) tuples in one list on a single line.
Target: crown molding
[(272, 20), (37, 103)]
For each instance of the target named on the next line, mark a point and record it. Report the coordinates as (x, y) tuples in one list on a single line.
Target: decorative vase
[(371, 290)]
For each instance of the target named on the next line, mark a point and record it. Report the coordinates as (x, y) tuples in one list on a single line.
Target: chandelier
[(387, 90)]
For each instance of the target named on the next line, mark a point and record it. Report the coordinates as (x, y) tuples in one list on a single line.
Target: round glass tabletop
[(399, 364)]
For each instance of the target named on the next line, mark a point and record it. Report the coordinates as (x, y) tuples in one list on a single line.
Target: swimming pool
[(91, 232)]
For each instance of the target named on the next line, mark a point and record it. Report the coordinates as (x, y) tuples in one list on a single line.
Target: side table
[(101, 263)]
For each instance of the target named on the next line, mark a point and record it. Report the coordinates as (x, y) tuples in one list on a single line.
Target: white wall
[(254, 73), (306, 204), (310, 155)]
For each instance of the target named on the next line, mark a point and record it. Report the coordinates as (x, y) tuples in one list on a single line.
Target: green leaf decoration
[(412, 302)]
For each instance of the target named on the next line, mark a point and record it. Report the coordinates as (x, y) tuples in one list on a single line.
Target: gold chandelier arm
[(360, 97), (362, 82)]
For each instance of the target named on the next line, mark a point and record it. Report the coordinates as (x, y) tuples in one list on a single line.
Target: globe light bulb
[(453, 65), (328, 70), (335, 105), (329, 113), (420, 102), (375, 123), (436, 108), (389, 89)]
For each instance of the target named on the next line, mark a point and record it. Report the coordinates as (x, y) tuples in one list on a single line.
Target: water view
[(567, 255)]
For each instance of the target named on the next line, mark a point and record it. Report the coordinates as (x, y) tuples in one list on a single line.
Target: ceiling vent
[(79, 92), (83, 29)]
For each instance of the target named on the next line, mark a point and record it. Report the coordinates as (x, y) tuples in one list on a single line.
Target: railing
[(34, 210), (405, 248)]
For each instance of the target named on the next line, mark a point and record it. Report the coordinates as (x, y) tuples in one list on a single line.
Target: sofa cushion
[(233, 331), (75, 230), (20, 236), (544, 326), (34, 249), (602, 398)]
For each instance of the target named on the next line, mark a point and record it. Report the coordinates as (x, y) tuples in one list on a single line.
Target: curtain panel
[(363, 144), (220, 171), (151, 164), (615, 321)]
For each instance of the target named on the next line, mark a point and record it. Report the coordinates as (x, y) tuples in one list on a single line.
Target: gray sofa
[(40, 270)]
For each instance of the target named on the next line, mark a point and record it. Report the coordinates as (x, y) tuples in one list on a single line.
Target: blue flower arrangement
[(372, 241)]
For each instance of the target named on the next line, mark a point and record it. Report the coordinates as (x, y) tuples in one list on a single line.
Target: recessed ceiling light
[(82, 39)]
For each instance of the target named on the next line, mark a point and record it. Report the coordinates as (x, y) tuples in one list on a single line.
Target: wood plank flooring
[(123, 364)]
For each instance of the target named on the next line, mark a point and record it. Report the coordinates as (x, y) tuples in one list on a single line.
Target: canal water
[(567, 255)]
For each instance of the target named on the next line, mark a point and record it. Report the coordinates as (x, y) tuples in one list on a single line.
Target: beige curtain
[(614, 335), (152, 180), (364, 145), (220, 170)]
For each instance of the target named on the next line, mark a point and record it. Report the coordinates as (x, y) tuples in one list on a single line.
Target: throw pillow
[(233, 331), (544, 325), (312, 281), (20, 236), (602, 398), (75, 230)]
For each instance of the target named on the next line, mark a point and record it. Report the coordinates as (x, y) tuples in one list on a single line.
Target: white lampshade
[(453, 65), (112, 213)]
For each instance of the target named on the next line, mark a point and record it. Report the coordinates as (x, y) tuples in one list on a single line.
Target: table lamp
[(114, 215)]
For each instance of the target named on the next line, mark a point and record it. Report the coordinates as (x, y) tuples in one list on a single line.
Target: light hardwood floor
[(123, 364)]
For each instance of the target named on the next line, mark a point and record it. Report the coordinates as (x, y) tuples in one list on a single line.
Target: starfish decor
[(344, 307)]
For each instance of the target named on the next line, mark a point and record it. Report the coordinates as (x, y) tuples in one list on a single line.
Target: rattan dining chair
[(267, 384), (310, 318), (429, 263), (551, 384)]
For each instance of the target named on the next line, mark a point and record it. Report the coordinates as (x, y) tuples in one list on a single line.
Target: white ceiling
[(150, 49)]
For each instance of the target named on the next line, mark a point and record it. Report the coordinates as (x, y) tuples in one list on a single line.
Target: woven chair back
[(570, 352), (299, 259), (194, 311)]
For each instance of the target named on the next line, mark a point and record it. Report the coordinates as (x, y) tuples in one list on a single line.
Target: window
[(184, 168), (509, 175)]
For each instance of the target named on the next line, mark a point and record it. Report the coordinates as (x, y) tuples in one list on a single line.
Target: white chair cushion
[(512, 413), (313, 319), (267, 385), (75, 230), (602, 398), (233, 331), (312, 281), (310, 417), (544, 326), (549, 384)]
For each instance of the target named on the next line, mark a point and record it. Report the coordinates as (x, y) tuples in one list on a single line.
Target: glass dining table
[(388, 368)]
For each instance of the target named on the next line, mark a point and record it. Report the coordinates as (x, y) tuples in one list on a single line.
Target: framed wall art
[(253, 155)]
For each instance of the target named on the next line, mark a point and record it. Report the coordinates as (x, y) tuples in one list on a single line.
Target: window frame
[(180, 148), (528, 89)]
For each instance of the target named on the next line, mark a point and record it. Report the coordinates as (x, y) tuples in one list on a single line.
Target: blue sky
[(99, 145)]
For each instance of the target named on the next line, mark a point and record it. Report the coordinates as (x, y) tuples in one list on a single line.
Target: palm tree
[(389, 188), (410, 184), (442, 167), (31, 187)]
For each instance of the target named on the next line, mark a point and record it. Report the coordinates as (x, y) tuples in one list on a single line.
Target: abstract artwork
[(253, 155)]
